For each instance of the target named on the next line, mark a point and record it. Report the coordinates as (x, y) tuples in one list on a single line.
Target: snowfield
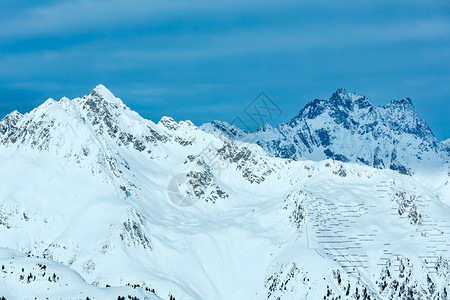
[(97, 202)]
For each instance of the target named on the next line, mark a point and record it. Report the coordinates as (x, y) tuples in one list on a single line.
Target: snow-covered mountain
[(446, 145), (348, 128), (97, 202)]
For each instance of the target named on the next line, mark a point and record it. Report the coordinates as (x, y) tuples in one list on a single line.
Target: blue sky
[(202, 60)]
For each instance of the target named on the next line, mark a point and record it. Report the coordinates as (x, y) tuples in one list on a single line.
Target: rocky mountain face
[(348, 128), (446, 145), (97, 202)]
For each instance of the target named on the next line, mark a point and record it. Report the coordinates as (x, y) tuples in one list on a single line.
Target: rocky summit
[(348, 128)]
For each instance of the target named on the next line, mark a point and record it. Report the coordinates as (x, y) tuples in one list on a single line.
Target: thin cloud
[(92, 16), (173, 51)]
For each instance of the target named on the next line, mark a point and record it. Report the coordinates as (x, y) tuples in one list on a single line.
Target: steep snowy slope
[(101, 196), (446, 145), (348, 128)]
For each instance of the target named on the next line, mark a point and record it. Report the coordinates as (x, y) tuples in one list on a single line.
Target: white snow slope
[(96, 195)]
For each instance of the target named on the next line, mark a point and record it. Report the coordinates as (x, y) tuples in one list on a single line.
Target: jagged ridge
[(347, 127)]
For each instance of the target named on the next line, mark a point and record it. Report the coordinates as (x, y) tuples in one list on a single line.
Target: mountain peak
[(9, 120), (340, 91), (405, 102), (340, 102), (102, 93), (264, 127), (13, 115), (348, 128), (342, 94), (341, 99), (101, 89)]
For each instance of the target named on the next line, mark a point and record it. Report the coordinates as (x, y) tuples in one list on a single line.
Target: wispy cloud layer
[(198, 54)]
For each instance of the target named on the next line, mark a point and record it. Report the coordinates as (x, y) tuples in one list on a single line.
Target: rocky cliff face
[(348, 128)]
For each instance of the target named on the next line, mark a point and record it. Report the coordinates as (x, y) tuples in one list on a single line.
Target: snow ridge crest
[(347, 127)]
